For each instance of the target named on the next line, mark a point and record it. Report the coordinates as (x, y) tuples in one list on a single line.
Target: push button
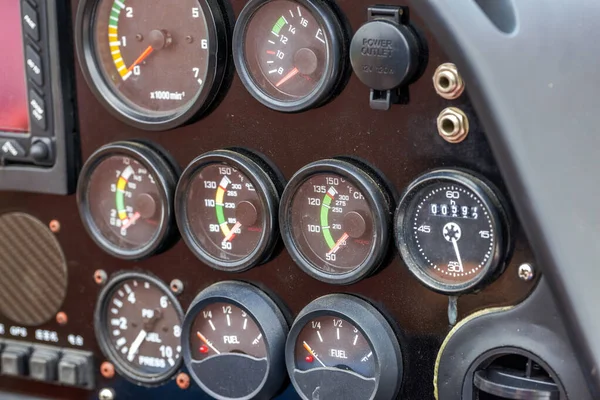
[(30, 21), (42, 365), (35, 70), (73, 370), (14, 360), (37, 109)]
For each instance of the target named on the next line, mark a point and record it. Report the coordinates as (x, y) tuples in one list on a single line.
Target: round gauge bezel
[(265, 178), (336, 36), (371, 323), (499, 217), (102, 334), (378, 197), (268, 317), (218, 55), (166, 174)]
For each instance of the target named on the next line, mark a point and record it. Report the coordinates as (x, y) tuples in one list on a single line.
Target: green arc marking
[(278, 25), (325, 221)]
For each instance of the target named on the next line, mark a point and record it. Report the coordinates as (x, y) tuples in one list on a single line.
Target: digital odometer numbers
[(226, 206), (453, 231), (140, 328)]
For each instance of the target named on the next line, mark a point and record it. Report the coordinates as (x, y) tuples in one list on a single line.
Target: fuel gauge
[(233, 340)]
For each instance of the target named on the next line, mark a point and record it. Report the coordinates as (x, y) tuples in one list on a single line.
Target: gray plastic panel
[(536, 90)]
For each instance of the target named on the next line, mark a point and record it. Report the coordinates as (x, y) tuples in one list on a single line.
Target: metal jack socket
[(447, 81), (453, 125)]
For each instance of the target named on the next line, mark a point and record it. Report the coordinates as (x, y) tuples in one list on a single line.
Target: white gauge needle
[(206, 342), (135, 346), (312, 353), (232, 232), (455, 245)]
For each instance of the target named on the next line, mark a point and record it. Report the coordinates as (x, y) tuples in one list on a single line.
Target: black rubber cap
[(384, 55), (39, 151)]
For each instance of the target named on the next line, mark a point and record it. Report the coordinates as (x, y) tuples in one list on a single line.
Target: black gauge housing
[(103, 328), (218, 32), (164, 172), (376, 203), (253, 382), (266, 184), (447, 209), (380, 338), (334, 72)]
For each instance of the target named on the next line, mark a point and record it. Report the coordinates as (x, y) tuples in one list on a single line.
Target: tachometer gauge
[(226, 205), (153, 64), (233, 340), (290, 53), (138, 326), (341, 347), (452, 231), (125, 197), (335, 220)]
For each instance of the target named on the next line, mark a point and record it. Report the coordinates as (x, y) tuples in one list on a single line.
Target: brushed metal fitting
[(447, 81), (453, 125)]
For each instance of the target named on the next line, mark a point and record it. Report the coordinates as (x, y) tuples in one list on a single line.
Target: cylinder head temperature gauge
[(226, 206), (452, 230), (341, 347), (290, 53), (138, 326), (335, 220), (125, 197), (233, 340)]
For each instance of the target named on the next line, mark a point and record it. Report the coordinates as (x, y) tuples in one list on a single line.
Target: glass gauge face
[(451, 233), (286, 50), (125, 203), (334, 343), (142, 326), (225, 212), (153, 54), (332, 223)]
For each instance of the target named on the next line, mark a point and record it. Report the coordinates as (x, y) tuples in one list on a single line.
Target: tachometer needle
[(286, 78), (141, 58), (135, 346), (312, 353), (455, 245), (131, 220), (206, 342), (339, 243), (232, 232)]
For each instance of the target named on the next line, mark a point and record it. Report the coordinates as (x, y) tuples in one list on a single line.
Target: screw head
[(526, 272), (100, 277), (107, 370), (183, 381), (176, 286), (61, 318), (106, 394)]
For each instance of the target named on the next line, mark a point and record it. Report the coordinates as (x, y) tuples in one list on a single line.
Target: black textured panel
[(33, 270)]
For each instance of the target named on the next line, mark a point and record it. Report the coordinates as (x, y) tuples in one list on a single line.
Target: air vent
[(515, 377)]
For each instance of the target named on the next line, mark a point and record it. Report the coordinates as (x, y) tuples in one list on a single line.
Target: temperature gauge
[(452, 230), (335, 219), (341, 347), (226, 206), (125, 197), (289, 53), (234, 336)]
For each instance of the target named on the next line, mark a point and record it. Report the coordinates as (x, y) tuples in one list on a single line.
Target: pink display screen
[(13, 88)]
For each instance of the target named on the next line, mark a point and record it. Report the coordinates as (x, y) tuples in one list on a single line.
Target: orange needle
[(205, 340), (131, 220), (231, 233), (338, 244), (312, 353), (286, 78), (141, 58)]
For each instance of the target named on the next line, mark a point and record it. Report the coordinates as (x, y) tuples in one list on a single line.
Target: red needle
[(338, 244), (286, 78), (141, 58)]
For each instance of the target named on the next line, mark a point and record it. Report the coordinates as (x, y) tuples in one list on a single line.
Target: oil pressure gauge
[(233, 340), (341, 347), (226, 206), (452, 230), (335, 219)]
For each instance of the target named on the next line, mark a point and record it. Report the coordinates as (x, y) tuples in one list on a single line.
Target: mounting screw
[(453, 125), (54, 226), (526, 272), (183, 381), (106, 394), (176, 286), (100, 276), (61, 318), (447, 81), (107, 370)]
